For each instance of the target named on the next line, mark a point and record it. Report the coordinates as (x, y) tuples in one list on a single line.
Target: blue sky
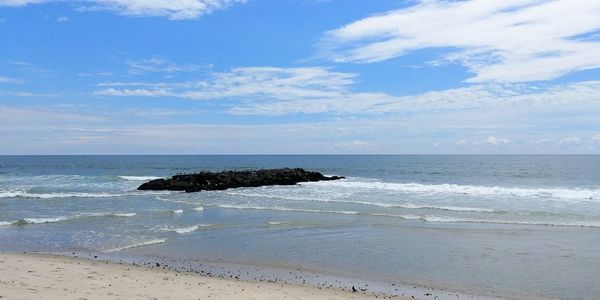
[(299, 77)]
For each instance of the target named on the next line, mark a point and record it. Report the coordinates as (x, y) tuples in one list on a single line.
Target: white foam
[(24, 194), (442, 219), (124, 214), (44, 220), (173, 201), (288, 209), (184, 230), (450, 208), (426, 218), (177, 211), (141, 244), (379, 204), (277, 222), (139, 178), (47, 220), (544, 193), (199, 208), (5, 223)]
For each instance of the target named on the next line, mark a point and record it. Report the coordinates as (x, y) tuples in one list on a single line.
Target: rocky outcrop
[(209, 181)]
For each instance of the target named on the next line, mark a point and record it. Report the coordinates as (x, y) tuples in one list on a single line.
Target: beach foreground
[(34, 276)]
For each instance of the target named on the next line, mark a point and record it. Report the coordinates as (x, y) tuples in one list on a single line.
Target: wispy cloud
[(479, 96), (27, 94), (20, 2), (497, 40), (172, 9), (27, 69), (71, 130), (496, 141), (9, 80), (26, 117), (282, 91), (273, 83), (157, 65), (96, 74), (570, 141)]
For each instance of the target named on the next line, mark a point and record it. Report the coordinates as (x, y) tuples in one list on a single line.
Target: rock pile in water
[(210, 181)]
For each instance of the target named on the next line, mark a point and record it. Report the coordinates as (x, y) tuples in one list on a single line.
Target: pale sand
[(29, 276)]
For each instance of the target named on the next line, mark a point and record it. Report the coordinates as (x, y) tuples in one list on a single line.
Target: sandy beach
[(34, 276)]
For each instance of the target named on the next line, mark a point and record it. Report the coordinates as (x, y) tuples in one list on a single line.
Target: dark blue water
[(511, 226)]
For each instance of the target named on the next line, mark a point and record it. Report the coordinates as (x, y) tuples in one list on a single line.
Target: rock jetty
[(210, 181)]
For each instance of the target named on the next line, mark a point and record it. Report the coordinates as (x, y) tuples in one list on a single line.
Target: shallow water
[(511, 226)]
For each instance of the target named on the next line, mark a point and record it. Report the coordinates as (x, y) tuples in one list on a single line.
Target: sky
[(299, 77)]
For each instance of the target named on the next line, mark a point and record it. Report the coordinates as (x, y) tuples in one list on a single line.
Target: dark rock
[(209, 181)]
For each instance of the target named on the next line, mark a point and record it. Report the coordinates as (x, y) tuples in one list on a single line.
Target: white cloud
[(96, 74), (96, 130), (282, 91), (62, 19), (9, 80), (135, 92), (541, 141), (27, 69), (172, 9), (479, 96), (495, 141), (595, 139), (356, 146), (284, 84), (570, 141), (13, 117), (20, 2), (461, 143), (157, 65), (497, 40), (27, 94)]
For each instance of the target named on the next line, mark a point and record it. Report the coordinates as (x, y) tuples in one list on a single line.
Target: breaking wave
[(141, 244), (425, 218), (277, 222), (44, 220), (554, 193), (287, 209), (24, 194), (184, 230), (139, 178), (440, 219), (379, 204)]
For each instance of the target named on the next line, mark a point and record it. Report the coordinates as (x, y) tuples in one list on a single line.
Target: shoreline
[(52, 276), (33, 275)]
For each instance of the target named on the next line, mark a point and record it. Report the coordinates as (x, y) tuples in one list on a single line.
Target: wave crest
[(140, 244), (446, 188), (184, 230), (24, 194), (45, 220), (139, 178)]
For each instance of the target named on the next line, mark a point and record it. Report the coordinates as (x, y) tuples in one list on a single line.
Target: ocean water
[(507, 226)]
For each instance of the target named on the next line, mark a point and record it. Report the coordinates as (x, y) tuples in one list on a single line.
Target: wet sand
[(36, 276)]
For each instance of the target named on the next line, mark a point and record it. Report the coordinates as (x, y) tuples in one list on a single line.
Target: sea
[(445, 226)]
